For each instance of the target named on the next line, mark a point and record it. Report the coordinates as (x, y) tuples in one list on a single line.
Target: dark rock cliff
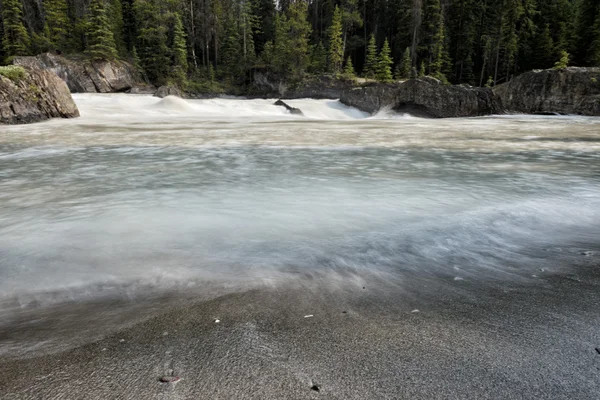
[(424, 96), (568, 91), (33, 96), (84, 76)]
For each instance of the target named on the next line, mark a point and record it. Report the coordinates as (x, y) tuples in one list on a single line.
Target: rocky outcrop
[(165, 91), (267, 85), (33, 95), (85, 76), (425, 97), (567, 91), (292, 110)]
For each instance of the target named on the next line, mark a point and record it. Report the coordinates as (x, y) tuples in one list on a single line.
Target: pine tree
[(100, 39), (544, 48), (231, 50), (115, 16), (336, 45), (594, 50), (179, 52), (349, 69), (370, 67), (318, 59), (56, 28), (422, 69), (403, 68), (152, 41), (563, 62), (299, 30), (384, 64), (16, 40)]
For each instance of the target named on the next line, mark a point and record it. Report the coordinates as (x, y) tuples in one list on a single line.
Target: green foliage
[(336, 45), (544, 48), (403, 68), (179, 52), (370, 67), (384, 64), (57, 24), (349, 69), (563, 62), (151, 43), (422, 69), (13, 72), (318, 59), (100, 40), (490, 82), (16, 40)]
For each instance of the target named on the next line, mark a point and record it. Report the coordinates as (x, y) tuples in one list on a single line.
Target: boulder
[(425, 97), (565, 91), (165, 91), (292, 110), (31, 95), (85, 76)]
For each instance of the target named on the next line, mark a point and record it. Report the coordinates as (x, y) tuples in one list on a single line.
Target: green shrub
[(13, 72)]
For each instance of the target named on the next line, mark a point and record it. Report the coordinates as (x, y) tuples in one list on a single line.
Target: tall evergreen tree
[(16, 39), (152, 40), (384, 64), (100, 40), (179, 52), (349, 69), (57, 24), (336, 45), (370, 67), (403, 68)]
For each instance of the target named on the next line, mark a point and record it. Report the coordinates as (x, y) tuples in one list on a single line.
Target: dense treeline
[(480, 42)]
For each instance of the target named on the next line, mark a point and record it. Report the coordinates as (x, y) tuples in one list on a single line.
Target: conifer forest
[(180, 42)]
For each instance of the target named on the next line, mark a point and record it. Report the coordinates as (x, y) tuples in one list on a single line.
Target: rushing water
[(142, 192)]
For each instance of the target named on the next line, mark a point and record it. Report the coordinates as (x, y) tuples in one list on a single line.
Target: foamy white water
[(147, 192)]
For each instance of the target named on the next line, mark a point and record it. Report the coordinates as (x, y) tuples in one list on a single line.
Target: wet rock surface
[(426, 97), (37, 96), (568, 91), (85, 76)]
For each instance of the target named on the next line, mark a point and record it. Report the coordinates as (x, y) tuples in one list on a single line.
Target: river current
[(146, 193)]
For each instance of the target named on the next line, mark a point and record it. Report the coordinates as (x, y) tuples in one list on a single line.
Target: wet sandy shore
[(425, 339)]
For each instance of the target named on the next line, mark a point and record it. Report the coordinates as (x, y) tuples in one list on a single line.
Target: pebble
[(122, 341), (309, 316), (217, 321), (169, 379)]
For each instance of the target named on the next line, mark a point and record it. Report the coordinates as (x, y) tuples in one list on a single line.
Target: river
[(156, 193)]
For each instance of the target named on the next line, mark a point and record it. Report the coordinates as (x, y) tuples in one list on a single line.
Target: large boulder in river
[(564, 91), (86, 76), (292, 110), (32, 95), (424, 96), (165, 91)]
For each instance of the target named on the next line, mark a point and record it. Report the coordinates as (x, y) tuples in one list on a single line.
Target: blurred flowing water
[(146, 194)]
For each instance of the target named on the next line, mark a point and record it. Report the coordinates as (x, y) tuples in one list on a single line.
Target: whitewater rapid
[(142, 192)]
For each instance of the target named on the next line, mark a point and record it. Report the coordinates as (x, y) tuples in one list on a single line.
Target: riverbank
[(425, 339)]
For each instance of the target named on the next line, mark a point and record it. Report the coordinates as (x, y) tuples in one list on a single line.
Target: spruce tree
[(594, 50), (299, 30), (349, 69), (544, 48), (384, 64), (318, 58), (231, 50), (563, 62), (100, 39), (152, 41), (370, 67), (336, 45), (16, 40), (179, 52), (403, 68), (56, 28)]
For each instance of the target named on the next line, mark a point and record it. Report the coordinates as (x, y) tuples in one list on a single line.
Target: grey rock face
[(85, 76), (165, 91), (424, 96), (38, 96), (569, 91)]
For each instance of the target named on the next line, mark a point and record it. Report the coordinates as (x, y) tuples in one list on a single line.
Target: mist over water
[(147, 193)]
